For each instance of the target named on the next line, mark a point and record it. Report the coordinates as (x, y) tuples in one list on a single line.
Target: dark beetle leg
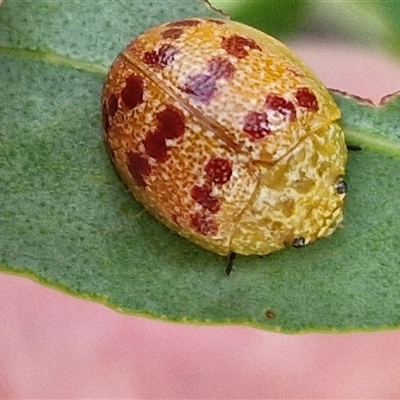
[(299, 242), (353, 147), (229, 266), (341, 187)]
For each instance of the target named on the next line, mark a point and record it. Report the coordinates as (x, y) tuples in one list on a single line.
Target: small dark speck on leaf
[(270, 314)]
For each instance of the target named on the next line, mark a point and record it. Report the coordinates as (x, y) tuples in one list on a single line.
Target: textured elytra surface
[(226, 136)]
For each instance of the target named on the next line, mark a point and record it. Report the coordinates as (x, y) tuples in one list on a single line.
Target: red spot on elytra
[(201, 86), (185, 22), (132, 93), (109, 109), (306, 98), (161, 57), (104, 112), (112, 105), (204, 224), (219, 170), (138, 167), (203, 196), (172, 33), (171, 122), (239, 46), (156, 147), (256, 125), (281, 105), (170, 125), (220, 67)]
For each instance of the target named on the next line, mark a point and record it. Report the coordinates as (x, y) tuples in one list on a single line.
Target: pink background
[(56, 346)]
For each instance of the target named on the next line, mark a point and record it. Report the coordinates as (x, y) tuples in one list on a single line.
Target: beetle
[(226, 136)]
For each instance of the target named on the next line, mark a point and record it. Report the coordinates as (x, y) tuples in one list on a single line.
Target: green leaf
[(275, 17), (67, 220)]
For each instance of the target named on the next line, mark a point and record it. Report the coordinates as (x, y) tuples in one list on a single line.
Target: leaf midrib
[(55, 59), (372, 140)]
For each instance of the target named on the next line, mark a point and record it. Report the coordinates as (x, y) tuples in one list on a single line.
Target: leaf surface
[(67, 220), (276, 17)]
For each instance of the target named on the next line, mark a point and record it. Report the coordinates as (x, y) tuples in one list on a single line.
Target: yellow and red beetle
[(226, 136)]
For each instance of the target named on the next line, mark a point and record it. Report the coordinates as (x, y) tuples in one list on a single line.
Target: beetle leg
[(229, 266), (353, 147), (299, 242)]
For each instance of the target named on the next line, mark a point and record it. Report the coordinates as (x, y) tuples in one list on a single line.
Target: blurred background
[(56, 346), (367, 23)]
